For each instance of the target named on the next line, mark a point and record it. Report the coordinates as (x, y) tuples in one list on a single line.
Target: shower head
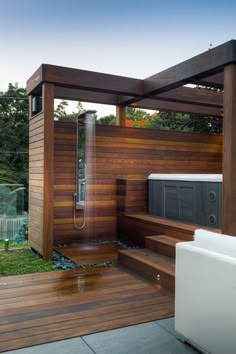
[(81, 119)]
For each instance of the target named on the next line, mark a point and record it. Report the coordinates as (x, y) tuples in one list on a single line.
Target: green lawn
[(24, 261), (14, 244)]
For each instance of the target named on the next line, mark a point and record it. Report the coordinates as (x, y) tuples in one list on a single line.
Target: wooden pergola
[(166, 91)]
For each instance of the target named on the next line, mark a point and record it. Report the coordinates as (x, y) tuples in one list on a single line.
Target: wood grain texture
[(162, 244), (101, 199), (41, 180), (229, 153), (150, 264), (90, 253), (47, 307), (131, 196), (48, 107), (36, 183), (134, 228), (156, 261), (120, 115), (92, 81), (205, 64), (128, 155), (117, 90)]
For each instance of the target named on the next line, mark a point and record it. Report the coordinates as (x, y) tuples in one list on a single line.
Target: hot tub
[(193, 198)]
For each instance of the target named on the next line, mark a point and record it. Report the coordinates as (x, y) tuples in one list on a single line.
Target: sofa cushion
[(215, 242)]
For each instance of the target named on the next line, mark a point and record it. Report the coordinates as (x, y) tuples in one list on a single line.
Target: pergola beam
[(196, 96), (193, 96), (85, 96), (35, 80), (155, 104), (183, 95), (171, 106), (216, 81), (150, 93), (106, 89), (229, 152), (86, 80), (198, 67)]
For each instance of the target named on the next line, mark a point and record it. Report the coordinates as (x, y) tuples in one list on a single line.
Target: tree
[(107, 120), (61, 114), (204, 124), (134, 118), (137, 118), (168, 121), (14, 136), (191, 123), (60, 111)]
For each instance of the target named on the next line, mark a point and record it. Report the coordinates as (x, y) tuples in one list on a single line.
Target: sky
[(131, 38)]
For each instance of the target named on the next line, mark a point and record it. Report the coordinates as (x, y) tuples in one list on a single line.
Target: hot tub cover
[(186, 177)]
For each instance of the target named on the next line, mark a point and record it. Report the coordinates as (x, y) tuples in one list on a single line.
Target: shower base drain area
[(91, 254)]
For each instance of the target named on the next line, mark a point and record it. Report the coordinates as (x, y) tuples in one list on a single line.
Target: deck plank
[(42, 308), (83, 253)]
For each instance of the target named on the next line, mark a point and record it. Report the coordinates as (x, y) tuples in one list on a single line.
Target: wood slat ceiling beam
[(96, 84), (196, 68), (152, 92), (86, 80), (193, 95), (183, 95), (216, 81), (34, 81), (178, 107), (180, 95), (155, 104), (86, 96), (100, 82)]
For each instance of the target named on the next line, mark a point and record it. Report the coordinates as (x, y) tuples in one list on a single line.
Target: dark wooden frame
[(163, 91)]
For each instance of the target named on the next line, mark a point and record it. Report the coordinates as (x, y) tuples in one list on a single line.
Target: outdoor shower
[(85, 125)]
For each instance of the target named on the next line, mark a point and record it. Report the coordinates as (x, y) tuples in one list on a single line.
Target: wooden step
[(151, 265), (162, 244), (165, 226), (134, 228)]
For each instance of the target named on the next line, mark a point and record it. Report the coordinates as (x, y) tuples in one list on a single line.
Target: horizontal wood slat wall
[(41, 174), (125, 154), (131, 196), (36, 176)]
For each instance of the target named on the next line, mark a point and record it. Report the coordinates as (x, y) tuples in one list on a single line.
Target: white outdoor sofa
[(205, 303)]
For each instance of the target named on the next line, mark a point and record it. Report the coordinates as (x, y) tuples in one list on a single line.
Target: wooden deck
[(90, 253), (134, 228), (46, 307)]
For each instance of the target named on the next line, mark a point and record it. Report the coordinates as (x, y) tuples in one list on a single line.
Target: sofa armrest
[(205, 297), (216, 242)]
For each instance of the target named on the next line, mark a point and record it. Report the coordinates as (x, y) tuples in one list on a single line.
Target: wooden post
[(120, 115), (48, 109), (229, 152), (41, 174)]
